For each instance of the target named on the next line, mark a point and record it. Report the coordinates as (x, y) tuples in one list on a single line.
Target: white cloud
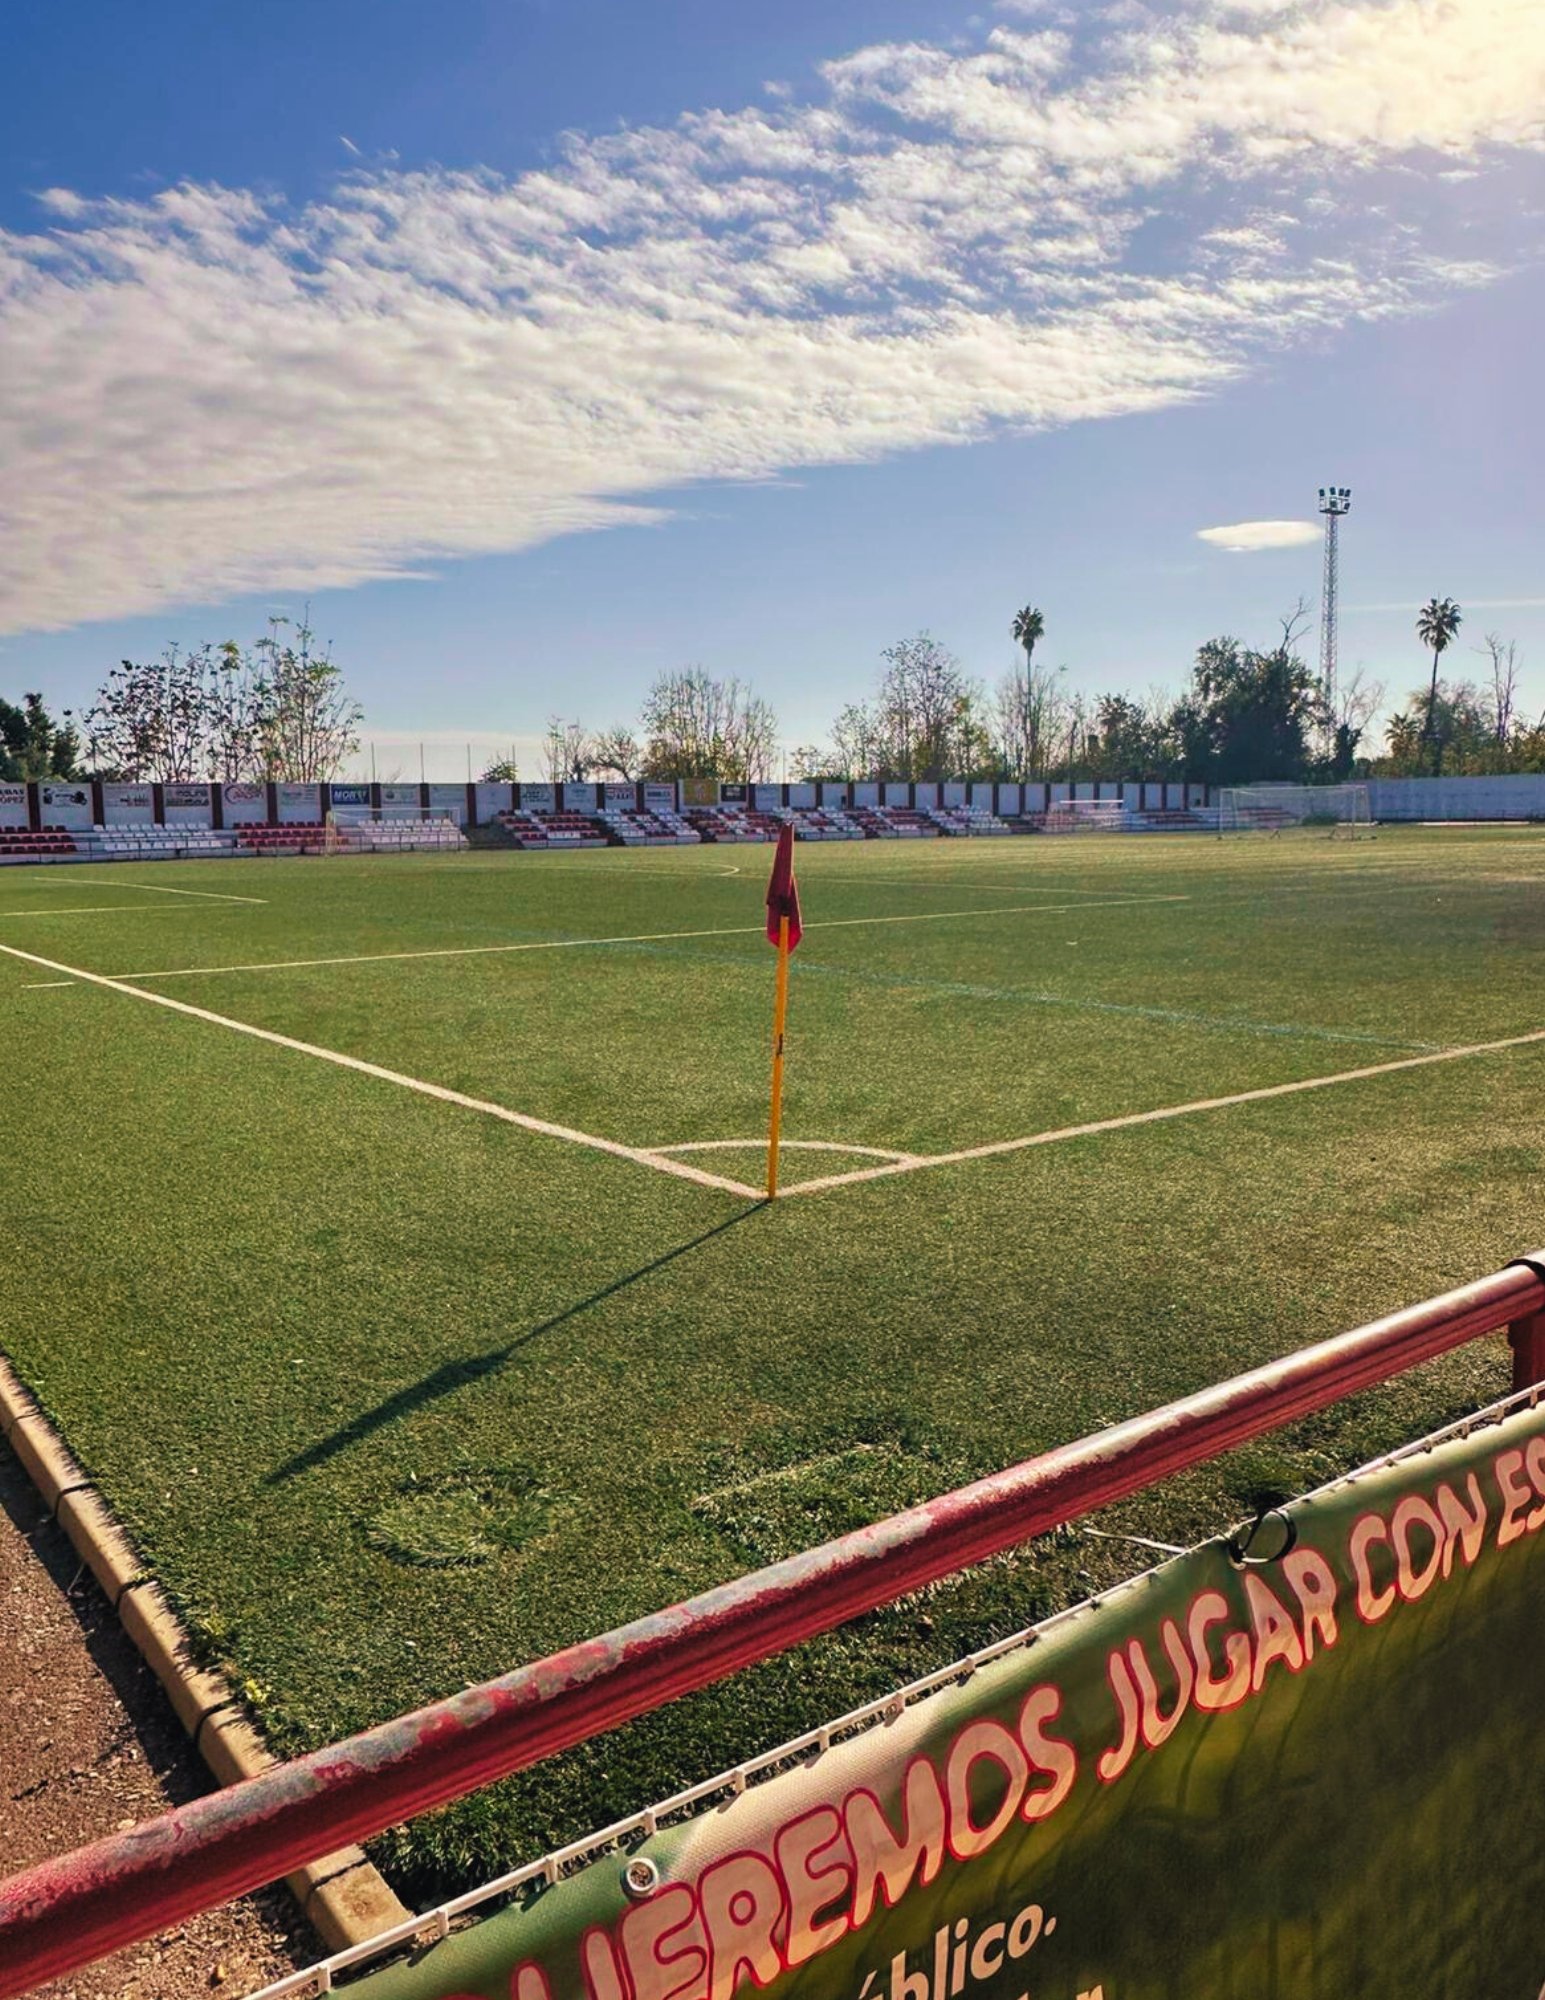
[(207, 393), (1248, 537)]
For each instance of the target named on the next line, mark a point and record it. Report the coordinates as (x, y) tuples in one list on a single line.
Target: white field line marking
[(160, 889), (637, 1154), (645, 937), (1167, 1111), (43, 985), (789, 1146), (86, 910)]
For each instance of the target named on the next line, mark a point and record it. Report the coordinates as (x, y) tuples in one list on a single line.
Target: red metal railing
[(64, 1913)]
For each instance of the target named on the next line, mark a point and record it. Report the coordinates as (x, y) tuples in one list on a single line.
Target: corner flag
[(783, 930), (783, 892)]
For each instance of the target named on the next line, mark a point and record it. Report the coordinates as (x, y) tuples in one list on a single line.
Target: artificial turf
[(396, 1396)]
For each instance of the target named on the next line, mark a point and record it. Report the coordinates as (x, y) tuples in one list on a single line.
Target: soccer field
[(437, 1323)]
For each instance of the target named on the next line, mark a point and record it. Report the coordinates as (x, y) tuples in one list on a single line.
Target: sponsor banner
[(955, 795), (579, 798), (403, 800), (866, 794), (767, 798), (66, 804), (538, 798), (185, 805), (244, 804), (1307, 1767), (620, 795), (299, 804), (801, 795), (832, 794), (449, 801), (13, 806), (127, 805), (895, 794), (700, 792), (350, 795), (660, 798), (981, 795), (735, 795), (492, 800)]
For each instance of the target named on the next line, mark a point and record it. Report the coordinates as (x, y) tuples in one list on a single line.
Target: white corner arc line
[(86, 910), (790, 1146), (1167, 1111), (643, 937), (639, 1155)]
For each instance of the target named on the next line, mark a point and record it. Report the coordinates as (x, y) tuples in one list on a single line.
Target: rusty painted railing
[(64, 1913)]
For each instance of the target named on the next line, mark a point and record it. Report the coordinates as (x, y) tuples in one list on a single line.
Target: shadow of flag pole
[(783, 930)]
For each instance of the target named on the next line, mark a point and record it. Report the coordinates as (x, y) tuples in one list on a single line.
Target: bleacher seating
[(733, 823), (630, 826), (17, 844), (391, 836), (824, 823), (552, 829), (153, 843), (301, 836), (965, 821)]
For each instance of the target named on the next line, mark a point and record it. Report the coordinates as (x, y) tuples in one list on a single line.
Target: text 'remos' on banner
[(1313, 1774)]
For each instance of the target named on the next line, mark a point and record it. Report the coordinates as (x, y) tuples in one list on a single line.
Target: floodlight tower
[(1334, 502)]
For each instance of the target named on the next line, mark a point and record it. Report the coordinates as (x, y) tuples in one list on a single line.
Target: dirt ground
[(89, 1745)]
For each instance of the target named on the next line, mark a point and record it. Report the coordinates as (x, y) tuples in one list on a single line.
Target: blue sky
[(542, 347)]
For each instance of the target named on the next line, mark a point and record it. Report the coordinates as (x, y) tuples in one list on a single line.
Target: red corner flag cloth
[(783, 890)]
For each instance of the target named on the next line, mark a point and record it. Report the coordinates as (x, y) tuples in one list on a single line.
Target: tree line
[(280, 710), (221, 713)]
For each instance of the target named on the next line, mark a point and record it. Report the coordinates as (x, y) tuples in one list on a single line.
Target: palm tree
[(1027, 628), (1436, 623)]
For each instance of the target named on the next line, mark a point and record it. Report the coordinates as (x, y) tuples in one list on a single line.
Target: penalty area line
[(544, 1127), (1168, 1111)]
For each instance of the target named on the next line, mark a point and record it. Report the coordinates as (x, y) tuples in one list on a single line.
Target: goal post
[(1342, 811)]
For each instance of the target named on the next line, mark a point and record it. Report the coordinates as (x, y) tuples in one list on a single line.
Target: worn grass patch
[(395, 1396)]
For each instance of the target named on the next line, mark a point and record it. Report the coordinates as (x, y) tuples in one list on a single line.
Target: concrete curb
[(342, 1894)]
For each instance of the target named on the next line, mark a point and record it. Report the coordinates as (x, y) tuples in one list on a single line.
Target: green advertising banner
[(1315, 1776)]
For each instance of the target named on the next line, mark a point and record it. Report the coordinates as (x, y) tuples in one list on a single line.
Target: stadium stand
[(552, 829), (152, 843), (628, 826), (391, 836), (965, 821), (17, 844)]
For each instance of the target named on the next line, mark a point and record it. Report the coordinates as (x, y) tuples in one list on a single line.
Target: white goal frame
[(1342, 811)]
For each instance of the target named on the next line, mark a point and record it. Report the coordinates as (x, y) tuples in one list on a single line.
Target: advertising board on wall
[(620, 794), (700, 792), (449, 802), (127, 805), (660, 798), (299, 804), (735, 795), (1268, 1775), (579, 798), (66, 804), (350, 795), (401, 801), (538, 798), (244, 804), (13, 806), (493, 799), (185, 805)]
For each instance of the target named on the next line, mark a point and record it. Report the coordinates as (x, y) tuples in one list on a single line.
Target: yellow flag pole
[(780, 1011)]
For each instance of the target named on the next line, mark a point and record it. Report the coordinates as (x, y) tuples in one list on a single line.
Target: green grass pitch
[(397, 1395)]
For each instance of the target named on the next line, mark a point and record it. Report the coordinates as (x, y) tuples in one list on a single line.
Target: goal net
[(1085, 816), (1340, 810)]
